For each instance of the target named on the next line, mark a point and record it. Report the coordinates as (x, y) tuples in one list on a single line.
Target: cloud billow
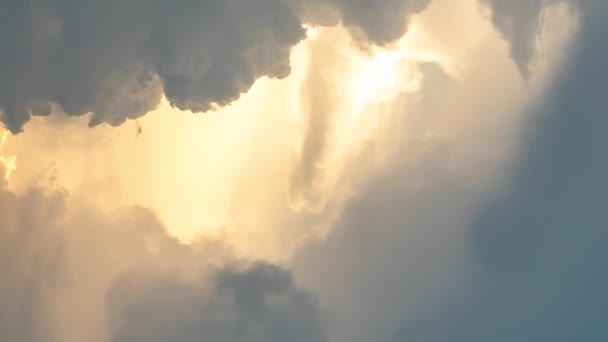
[(526, 264), (32, 263), (540, 246), (138, 283), (116, 59), (257, 302), (378, 21), (415, 257)]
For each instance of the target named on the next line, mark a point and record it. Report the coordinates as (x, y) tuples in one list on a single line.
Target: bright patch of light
[(374, 76), (9, 164), (383, 74), (379, 79), (311, 32)]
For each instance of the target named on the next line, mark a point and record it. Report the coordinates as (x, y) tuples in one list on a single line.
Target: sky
[(303, 170)]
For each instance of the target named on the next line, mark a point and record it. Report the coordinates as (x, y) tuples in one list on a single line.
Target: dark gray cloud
[(518, 21), (527, 267), (115, 58), (379, 21), (71, 273), (257, 302), (541, 244)]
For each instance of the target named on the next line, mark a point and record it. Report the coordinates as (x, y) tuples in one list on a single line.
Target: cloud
[(363, 16), (31, 265), (426, 251), (521, 24), (518, 22), (540, 244), (399, 245), (252, 303), (72, 272), (426, 258), (116, 59), (395, 249), (318, 105)]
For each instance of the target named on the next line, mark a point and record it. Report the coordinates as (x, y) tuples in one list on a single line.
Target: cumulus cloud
[(255, 303), (362, 17), (541, 243), (72, 273), (429, 260), (420, 255), (521, 22), (116, 59), (399, 245), (518, 22), (32, 263), (396, 248)]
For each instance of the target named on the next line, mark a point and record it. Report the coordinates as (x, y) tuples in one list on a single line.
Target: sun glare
[(376, 80), (385, 73)]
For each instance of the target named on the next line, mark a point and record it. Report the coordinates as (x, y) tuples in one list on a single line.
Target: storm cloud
[(116, 59)]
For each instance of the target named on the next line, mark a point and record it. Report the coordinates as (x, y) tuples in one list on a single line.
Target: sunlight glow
[(223, 172), (380, 79), (382, 74), (9, 163), (312, 32)]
